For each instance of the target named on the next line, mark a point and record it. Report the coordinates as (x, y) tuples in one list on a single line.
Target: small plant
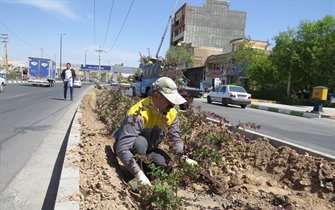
[(164, 193), (113, 106)]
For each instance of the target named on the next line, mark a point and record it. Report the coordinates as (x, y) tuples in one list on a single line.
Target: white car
[(2, 84), (77, 82), (114, 83), (230, 94)]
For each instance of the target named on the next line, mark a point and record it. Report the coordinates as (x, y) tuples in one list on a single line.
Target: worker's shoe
[(71, 99)]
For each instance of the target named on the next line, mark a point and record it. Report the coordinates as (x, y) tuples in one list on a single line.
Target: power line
[(19, 37), (122, 26), (109, 19), (23, 40)]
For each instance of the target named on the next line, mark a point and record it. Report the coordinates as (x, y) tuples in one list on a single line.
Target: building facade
[(213, 25), (222, 66)]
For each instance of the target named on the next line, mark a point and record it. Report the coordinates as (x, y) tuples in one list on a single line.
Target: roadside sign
[(95, 67)]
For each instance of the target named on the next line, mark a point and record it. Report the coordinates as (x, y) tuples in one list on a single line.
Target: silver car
[(77, 82), (229, 94), (2, 84)]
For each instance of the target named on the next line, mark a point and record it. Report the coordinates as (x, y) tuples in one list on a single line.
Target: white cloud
[(55, 6)]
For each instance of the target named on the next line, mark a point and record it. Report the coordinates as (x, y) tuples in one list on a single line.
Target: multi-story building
[(222, 66), (207, 28)]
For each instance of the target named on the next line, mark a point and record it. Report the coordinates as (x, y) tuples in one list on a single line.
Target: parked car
[(114, 83), (77, 82), (2, 84), (230, 94), (124, 84)]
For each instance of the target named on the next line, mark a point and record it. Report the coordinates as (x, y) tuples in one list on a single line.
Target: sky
[(118, 31)]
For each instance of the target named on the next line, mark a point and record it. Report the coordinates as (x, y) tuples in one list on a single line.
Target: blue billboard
[(95, 67)]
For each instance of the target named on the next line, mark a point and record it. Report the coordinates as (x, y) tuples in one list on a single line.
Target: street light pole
[(60, 53), (288, 91), (85, 67), (289, 81)]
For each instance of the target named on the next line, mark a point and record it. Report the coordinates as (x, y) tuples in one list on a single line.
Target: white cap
[(168, 88)]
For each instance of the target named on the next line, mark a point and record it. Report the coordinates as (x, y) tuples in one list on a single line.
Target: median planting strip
[(68, 191)]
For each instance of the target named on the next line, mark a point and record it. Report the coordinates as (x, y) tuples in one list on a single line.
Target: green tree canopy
[(307, 52), (179, 55)]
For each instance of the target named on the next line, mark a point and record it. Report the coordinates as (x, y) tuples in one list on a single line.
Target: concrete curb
[(278, 142), (286, 111), (70, 176), (265, 101)]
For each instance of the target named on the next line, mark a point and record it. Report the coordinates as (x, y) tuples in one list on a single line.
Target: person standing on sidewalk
[(68, 76)]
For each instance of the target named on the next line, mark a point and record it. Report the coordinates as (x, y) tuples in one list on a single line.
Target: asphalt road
[(34, 122), (314, 133)]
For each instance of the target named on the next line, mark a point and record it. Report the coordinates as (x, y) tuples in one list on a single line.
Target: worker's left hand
[(188, 161)]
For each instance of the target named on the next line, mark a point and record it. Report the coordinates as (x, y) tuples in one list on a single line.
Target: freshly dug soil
[(269, 178)]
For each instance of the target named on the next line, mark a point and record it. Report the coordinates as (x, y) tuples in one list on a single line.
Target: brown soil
[(271, 178)]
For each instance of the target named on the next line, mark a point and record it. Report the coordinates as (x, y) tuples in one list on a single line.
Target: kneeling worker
[(142, 133)]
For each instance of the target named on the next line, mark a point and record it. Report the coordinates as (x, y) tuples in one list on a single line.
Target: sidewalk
[(301, 111)]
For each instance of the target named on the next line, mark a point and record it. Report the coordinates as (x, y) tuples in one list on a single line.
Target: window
[(223, 89)]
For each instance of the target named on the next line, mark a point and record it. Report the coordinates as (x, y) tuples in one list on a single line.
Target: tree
[(306, 52), (255, 65), (179, 55)]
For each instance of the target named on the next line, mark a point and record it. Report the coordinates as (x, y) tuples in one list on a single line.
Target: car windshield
[(237, 89), (76, 79)]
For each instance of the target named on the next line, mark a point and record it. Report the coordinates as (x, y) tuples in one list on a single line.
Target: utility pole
[(42, 53), (108, 77), (99, 51), (5, 41), (86, 75), (60, 53)]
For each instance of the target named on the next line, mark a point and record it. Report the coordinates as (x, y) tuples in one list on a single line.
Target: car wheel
[(134, 92), (1, 87), (243, 106), (224, 102), (209, 100)]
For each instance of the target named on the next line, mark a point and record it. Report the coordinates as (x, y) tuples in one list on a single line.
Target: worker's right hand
[(142, 179), (188, 161)]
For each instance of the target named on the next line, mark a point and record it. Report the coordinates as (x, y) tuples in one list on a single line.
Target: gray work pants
[(156, 155)]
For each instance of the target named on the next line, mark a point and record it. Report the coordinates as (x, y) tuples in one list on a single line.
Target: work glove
[(188, 161), (142, 179)]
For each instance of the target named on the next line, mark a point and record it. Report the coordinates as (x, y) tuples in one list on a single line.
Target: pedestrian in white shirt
[(68, 76)]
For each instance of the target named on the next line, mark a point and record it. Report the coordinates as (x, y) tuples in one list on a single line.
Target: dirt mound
[(264, 178)]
